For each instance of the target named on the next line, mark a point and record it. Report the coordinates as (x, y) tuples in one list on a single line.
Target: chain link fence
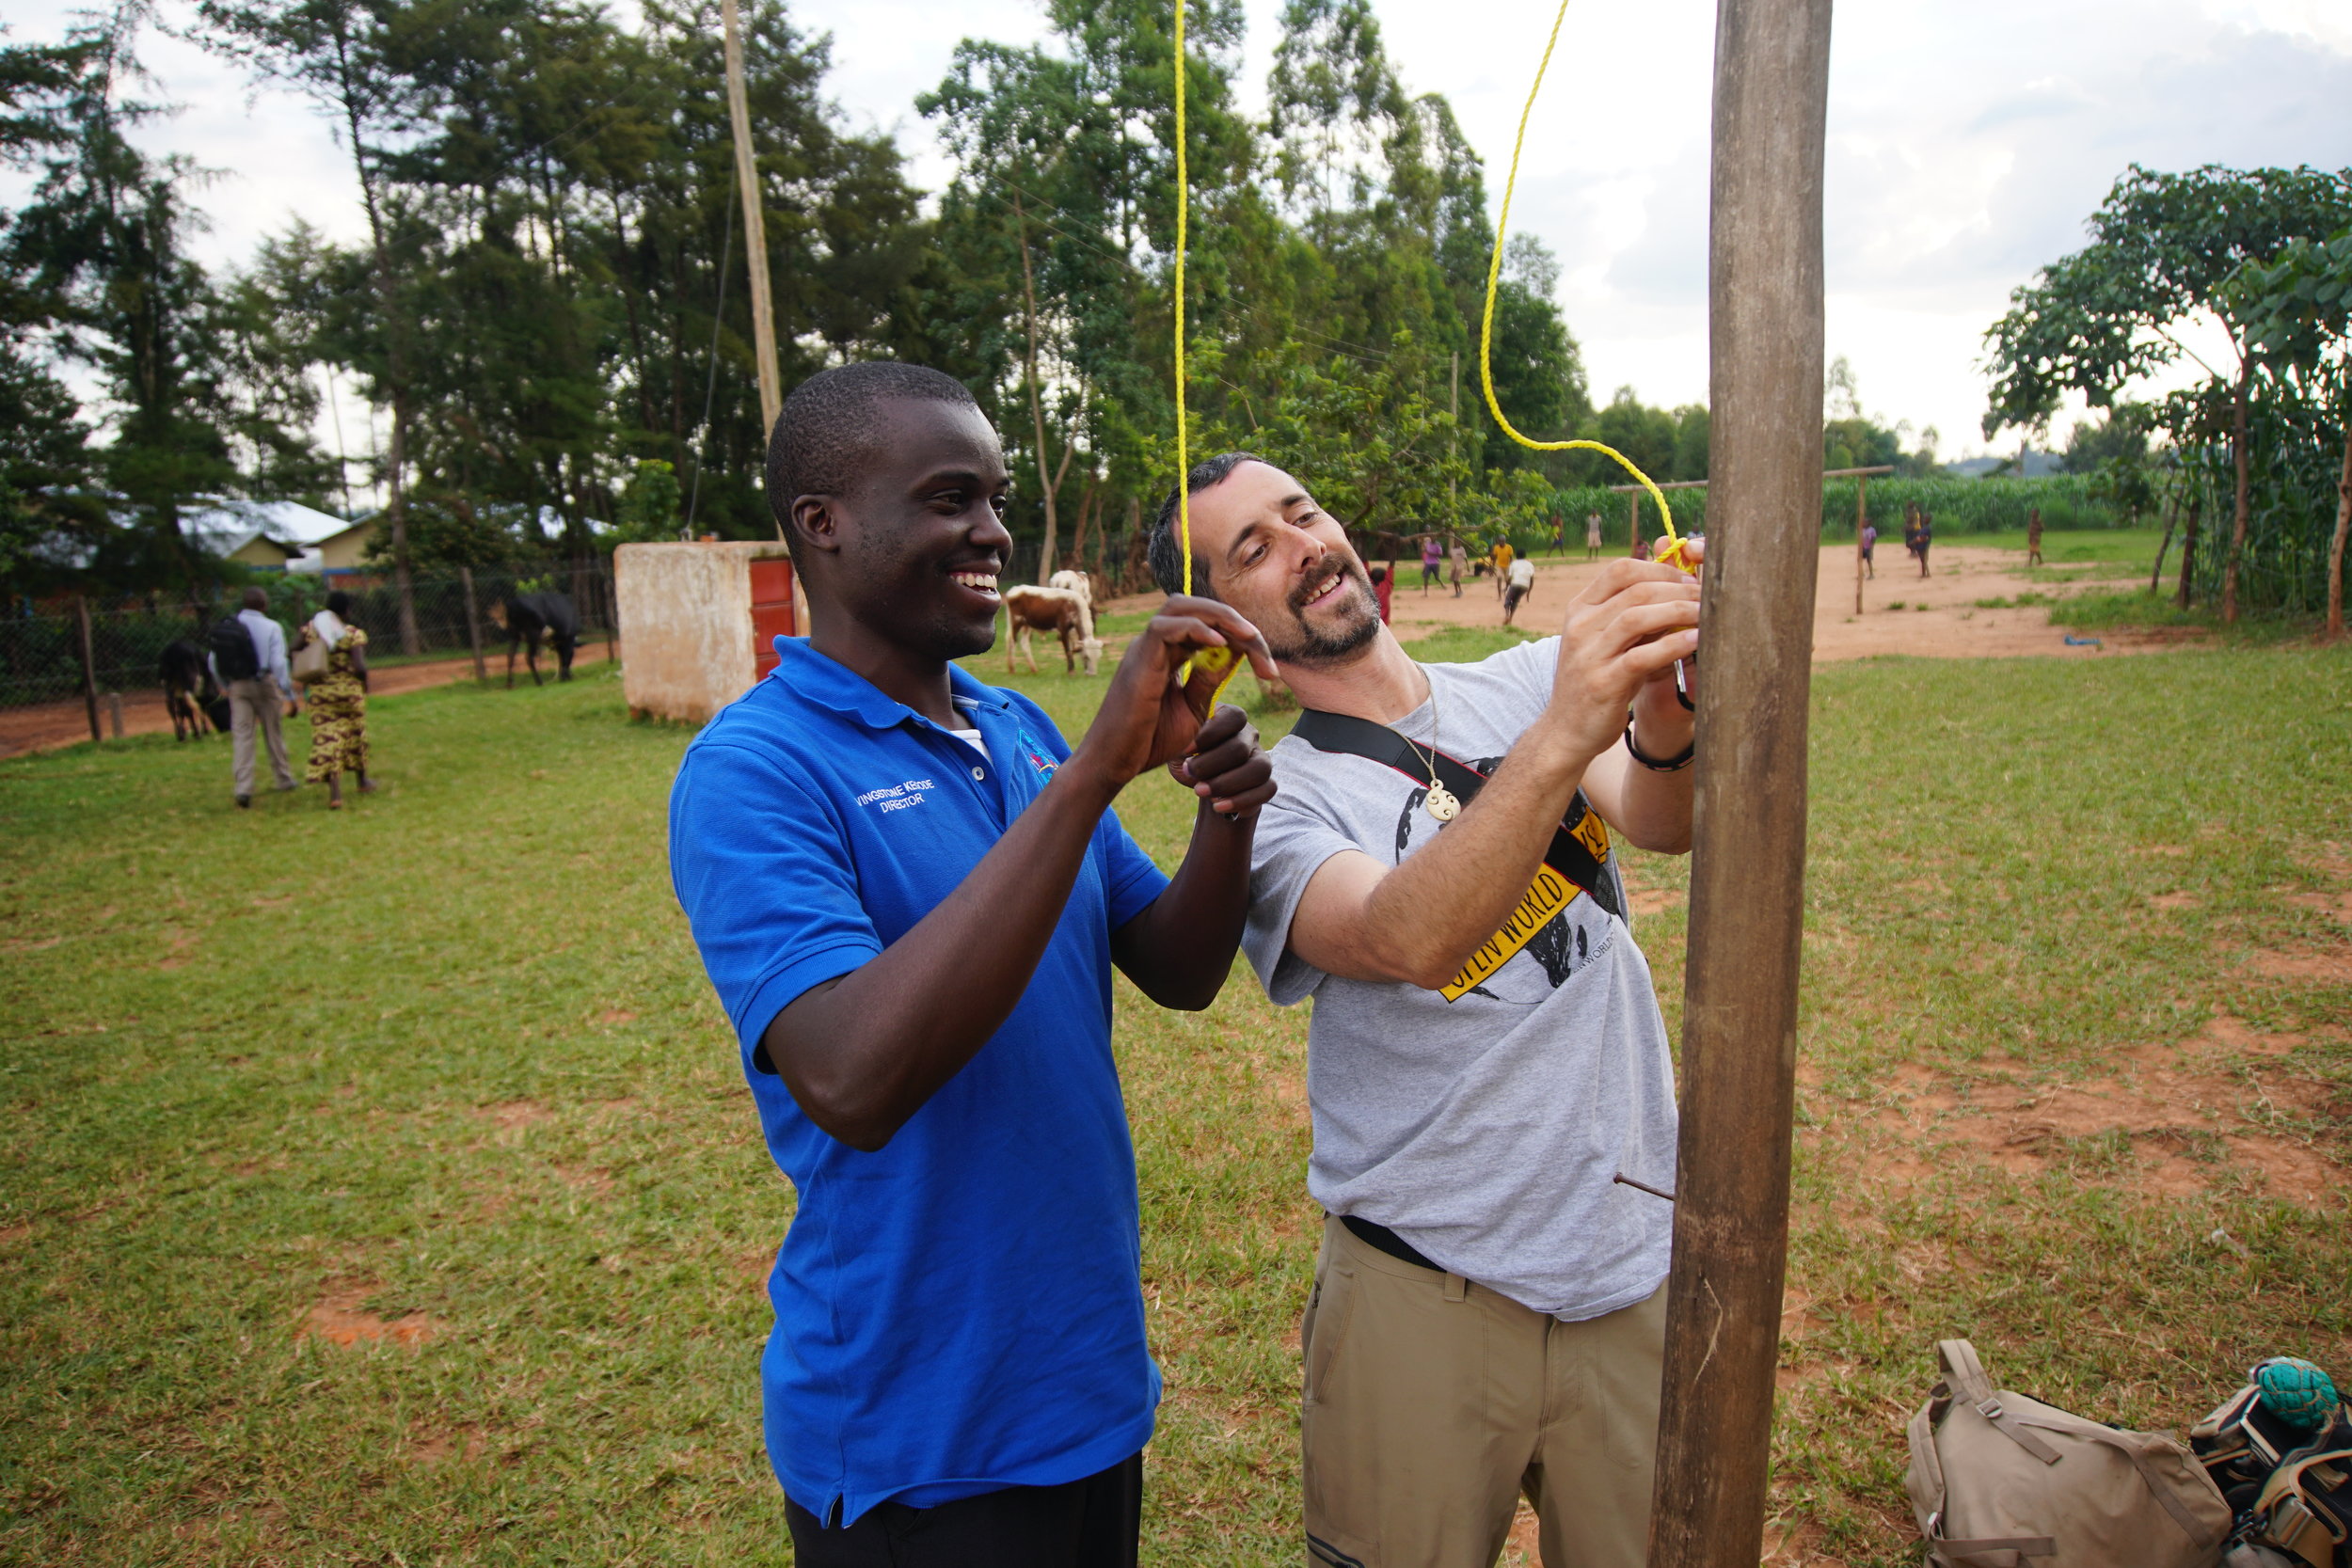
[(53, 655)]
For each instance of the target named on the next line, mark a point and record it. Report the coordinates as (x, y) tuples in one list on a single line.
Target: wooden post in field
[(1747, 869), (473, 623), (114, 713), (89, 671), (755, 227), (1861, 521), (755, 256)]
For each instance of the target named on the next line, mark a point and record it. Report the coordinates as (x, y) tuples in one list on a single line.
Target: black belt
[(1381, 1239), (1346, 733)]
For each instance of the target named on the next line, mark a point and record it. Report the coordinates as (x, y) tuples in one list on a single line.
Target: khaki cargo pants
[(1432, 1405)]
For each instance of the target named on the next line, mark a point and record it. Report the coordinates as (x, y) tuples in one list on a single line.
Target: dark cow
[(189, 693), (525, 618)]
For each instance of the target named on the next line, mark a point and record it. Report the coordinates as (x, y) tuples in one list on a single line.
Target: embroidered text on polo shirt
[(897, 797)]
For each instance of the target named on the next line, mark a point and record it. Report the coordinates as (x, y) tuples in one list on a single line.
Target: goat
[(189, 692), (1065, 611), (1076, 581), (527, 617)]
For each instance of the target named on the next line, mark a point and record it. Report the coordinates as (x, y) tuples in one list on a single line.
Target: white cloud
[(1967, 144)]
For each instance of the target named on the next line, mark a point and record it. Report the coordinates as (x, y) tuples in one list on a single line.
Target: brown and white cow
[(1066, 612)]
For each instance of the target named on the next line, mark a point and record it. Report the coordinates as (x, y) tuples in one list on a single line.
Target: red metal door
[(772, 607)]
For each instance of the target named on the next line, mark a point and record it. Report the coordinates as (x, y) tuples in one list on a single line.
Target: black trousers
[(1092, 1523)]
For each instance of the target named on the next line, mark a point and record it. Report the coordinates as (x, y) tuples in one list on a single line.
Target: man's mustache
[(1309, 587)]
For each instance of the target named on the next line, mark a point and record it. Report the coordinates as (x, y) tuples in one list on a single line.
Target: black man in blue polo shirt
[(909, 893)]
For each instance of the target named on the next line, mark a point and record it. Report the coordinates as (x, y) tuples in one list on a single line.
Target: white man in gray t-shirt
[(1486, 1060)]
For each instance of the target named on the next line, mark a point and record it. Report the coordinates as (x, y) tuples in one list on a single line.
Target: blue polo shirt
[(961, 1310)]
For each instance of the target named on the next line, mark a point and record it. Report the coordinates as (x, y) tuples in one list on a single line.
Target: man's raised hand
[(1226, 767), (1625, 629), (1148, 716)]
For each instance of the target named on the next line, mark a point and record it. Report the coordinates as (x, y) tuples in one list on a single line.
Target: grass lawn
[(440, 1075)]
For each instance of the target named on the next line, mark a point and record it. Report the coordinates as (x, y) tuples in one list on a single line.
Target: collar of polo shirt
[(841, 688)]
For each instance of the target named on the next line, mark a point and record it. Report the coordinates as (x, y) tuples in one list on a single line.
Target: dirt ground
[(1939, 618), (49, 725)]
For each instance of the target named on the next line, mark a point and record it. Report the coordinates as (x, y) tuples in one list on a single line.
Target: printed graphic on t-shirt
[(1556, 928)]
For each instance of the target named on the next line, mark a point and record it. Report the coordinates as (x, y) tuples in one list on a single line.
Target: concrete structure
[(699, 623)]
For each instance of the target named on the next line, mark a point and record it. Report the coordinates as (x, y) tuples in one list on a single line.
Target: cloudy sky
[(1967, 143)]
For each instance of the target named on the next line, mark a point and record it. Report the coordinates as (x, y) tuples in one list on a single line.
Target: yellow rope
[(1184, 458), (1217, 659), (1672, 552)]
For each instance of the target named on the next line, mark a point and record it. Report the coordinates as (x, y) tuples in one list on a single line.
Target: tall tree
[(2162, 248), (101, 252), (2299, 310), (341, 55)]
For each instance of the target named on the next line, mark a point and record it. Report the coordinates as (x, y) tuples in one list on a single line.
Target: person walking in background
[(2033, 537), (1592, 536), (1925, 537), (1460, 562), (338, 701), (1432, 561), (252, 670), (1502, 558), (1520, 587), (1869, 543), (1911, 527), (1381, 585)]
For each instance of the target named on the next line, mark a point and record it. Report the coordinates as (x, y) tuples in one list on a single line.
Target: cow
[(527, 617), (1065, 611), (189, 692)]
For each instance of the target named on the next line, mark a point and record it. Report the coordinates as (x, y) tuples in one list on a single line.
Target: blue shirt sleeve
[(1135, 880), (762, 869)]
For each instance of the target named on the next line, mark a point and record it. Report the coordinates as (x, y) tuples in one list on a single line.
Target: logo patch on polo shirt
[(897, 797)]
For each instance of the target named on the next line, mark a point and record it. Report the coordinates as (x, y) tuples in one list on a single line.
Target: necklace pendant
[(1441, 804)]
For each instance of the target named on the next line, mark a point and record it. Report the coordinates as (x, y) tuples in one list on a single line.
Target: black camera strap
[(1579, 846)]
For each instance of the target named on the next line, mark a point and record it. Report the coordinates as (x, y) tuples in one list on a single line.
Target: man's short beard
[(1302, 644)]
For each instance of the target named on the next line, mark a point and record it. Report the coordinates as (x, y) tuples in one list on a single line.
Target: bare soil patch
[(340, 1318), (514, 1113), (2330, 966), (2172, 1121)]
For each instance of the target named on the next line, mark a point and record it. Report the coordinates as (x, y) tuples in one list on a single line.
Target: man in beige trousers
[(1486, 1057), (255, 690)]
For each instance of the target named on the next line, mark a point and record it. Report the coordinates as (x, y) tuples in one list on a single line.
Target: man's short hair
[(256, 598), (827, 427), (1166, 549)]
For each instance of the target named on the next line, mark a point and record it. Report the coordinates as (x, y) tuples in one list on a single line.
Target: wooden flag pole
[(1747, 870), (755, 259), (754, 229)]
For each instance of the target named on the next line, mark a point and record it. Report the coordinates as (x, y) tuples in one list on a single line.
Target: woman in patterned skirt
[(339, 703)]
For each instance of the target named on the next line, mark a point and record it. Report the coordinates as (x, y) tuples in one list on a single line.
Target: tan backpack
[(1999, 1480)]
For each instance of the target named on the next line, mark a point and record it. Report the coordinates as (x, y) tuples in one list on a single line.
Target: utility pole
[(755, 229), (1747, 867), (756, 257)]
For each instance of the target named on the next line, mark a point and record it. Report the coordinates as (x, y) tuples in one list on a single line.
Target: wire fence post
[(90, 671), (473, 623)]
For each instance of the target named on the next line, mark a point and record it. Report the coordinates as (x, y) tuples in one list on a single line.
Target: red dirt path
[(53, 724)]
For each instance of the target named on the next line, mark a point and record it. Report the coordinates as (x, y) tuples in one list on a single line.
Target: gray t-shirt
[(1488, 1132)]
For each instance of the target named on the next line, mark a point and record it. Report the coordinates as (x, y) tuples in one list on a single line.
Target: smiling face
[(1285, 565), (911, 550)]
